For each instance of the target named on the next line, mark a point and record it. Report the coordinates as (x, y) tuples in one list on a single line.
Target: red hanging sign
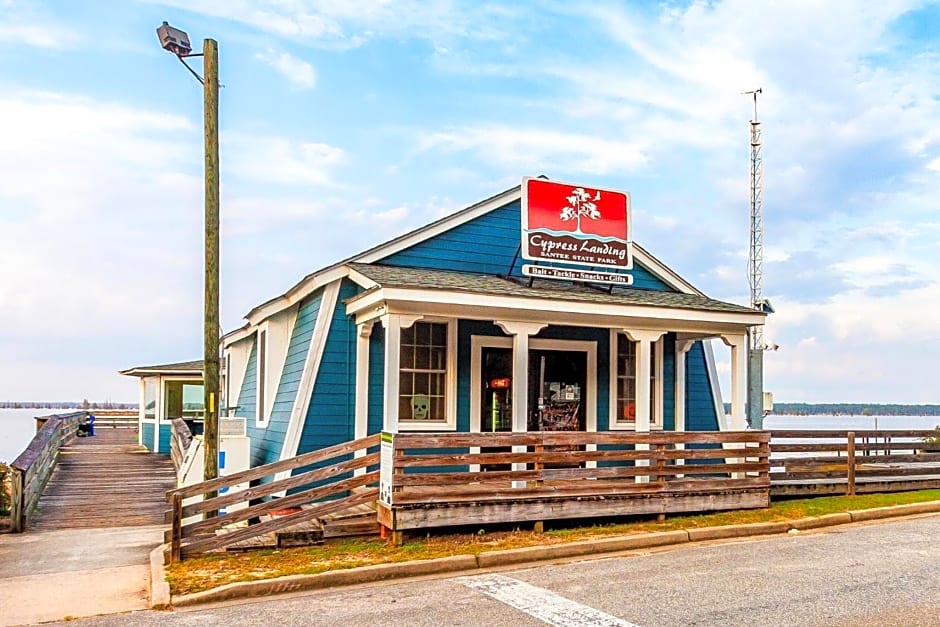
[(575, 224)]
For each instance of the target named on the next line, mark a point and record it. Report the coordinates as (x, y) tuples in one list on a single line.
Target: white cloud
[(342, 25), (274, 159), (300, 73), (535, 149), (24, 24)]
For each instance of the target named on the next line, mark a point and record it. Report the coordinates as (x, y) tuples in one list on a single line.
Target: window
[(150, 398), (626, 383), (422, 392), (262, 367), (184, 400)]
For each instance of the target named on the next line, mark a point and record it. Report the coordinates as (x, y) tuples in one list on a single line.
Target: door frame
[(479, 342)]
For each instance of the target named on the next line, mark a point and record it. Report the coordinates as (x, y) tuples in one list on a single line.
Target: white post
[(392, 325), (141, 411), (682, 349), (644, 341), (738, 344), (520, 332), (364, 332)]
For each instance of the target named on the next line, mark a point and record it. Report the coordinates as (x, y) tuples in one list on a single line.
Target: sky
[(344, 124)]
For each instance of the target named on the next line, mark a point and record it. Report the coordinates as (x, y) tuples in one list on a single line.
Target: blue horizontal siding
[(700, 403), (147, 430), (376, 379), (489, 244), (669, 382), (272, 436), (330, 416), (166, 432)]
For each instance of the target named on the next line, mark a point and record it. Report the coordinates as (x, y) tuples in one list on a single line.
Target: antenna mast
[(755, 261), (755, 273)]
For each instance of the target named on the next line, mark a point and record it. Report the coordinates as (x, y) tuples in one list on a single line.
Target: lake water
[(17, 428), (855, 423)]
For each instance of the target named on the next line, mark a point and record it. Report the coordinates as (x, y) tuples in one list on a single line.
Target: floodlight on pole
[(177, 42)]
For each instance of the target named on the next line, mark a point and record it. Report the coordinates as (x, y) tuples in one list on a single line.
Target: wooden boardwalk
[(105, 481)]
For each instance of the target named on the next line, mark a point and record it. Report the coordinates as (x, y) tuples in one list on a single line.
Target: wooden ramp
[(105, 481)]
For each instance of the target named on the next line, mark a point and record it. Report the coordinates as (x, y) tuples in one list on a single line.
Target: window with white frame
[(626, 383), (423, 385)]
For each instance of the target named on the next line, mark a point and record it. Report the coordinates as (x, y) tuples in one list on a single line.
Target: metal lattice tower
[(755, 262)]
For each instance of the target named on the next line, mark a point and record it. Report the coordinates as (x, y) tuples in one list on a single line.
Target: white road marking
[(539, 603)]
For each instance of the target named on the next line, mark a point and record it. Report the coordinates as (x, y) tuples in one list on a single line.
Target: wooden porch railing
[(551, 462), (825, 460), (30, 471), (333, 479), (459, 478)]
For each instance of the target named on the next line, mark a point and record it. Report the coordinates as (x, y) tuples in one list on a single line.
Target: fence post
[(175, 550), (850, 464), (17, 497)]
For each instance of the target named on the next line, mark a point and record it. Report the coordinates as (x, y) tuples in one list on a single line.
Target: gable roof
[(339, 270), (419, 278)]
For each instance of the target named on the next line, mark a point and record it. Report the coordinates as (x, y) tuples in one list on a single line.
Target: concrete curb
[(363, 574), (494, 559), (159, 587)]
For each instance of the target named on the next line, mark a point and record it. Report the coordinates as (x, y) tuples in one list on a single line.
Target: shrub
[(5, 488)]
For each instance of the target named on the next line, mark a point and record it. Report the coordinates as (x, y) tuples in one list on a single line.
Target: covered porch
[(483, 353)]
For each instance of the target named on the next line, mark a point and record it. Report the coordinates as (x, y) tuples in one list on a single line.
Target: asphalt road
[(879, 574)]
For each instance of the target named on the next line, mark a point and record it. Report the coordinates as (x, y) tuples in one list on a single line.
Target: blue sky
[(347, 123)]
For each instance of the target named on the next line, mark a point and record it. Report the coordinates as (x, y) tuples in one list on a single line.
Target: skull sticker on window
[(420, 406)]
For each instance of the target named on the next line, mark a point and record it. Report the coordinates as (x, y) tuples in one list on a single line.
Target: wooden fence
[(460, 478), (31, 470), (847, 462), (325, 481)]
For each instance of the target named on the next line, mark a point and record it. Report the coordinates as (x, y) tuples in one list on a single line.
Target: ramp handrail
[(179, 442), (318, 483), (30, 471)]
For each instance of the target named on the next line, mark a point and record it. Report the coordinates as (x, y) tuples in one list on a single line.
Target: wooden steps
[(358, 520)]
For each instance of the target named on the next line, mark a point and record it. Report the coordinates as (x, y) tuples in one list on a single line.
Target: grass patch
[(204, 573)]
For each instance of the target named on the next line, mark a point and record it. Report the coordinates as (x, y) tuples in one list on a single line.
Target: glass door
[(496, 400)]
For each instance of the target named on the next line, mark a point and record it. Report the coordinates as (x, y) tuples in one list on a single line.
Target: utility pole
[(755, 273), (176, 41), (210, 59)]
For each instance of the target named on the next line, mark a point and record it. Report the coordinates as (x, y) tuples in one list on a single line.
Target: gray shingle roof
[(400, 277), (194, 367)]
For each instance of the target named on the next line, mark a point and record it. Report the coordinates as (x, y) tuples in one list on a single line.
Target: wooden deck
[(105, 481)]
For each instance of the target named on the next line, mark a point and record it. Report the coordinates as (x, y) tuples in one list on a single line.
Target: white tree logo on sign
[(581, 205)]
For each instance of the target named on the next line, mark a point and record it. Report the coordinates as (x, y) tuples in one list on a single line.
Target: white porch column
[(682, 349), (520, 332), (142, 410), (393, 324), (738, 344), (644, 347), (364, 332)]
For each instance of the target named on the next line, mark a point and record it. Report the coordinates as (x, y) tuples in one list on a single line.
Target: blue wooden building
[(440, 330)]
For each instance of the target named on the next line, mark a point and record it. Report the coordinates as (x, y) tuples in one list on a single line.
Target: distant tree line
[(82, 404), (851, 409)]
